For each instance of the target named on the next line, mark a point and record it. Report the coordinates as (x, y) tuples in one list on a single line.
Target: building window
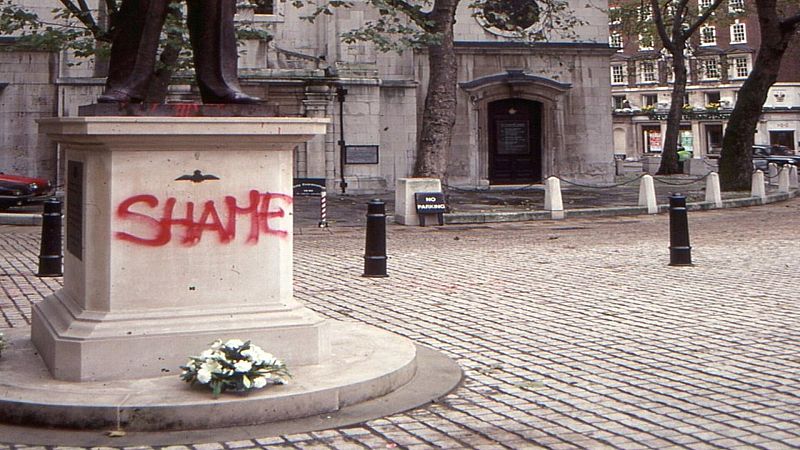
[(614, 15), (738, 33), (705, 4), (708, 35), (710, 69), (615, 40), (618, 74), (620, 102), (736, 6), (260, 11), (263, 6), (645, 13), (651, 136), (740, 66), (650, 100), (645, 42), (647, 72), (712, 97)]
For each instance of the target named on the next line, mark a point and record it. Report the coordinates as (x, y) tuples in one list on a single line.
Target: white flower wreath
[(235, 366)]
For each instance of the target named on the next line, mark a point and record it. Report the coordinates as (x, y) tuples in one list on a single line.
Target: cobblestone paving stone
[(571, 334)]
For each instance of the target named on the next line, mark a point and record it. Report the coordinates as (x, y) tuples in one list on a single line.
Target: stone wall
[(29, 95)]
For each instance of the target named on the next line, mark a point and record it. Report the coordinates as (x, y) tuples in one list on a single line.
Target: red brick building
[(720, 58)]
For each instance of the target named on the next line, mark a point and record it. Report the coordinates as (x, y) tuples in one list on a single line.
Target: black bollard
[(375, 253), (680, 252), (50, 257)]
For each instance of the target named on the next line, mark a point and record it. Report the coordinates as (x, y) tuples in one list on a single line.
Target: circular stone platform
[(366, 363)]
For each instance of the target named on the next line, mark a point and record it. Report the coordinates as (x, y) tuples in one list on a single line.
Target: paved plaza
[(571, 334)]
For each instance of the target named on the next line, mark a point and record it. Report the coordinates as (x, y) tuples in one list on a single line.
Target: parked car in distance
[(763, 155), (16, 190)]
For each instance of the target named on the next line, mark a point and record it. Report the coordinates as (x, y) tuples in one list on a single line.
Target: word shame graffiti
[(157, 222)]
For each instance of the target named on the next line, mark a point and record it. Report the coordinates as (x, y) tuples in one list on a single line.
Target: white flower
[(259, 382), (208, 353), (212, 366), (216, 344), (243, 366), (234, 343), (203, 376)]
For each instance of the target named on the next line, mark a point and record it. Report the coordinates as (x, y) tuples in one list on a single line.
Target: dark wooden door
[(515, 142)]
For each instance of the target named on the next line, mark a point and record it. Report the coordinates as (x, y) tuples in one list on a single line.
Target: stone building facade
[(721, 58), (525, 111)]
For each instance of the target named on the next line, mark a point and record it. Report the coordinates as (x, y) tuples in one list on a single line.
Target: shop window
[(714, 138), (783, 138), (652, 139)]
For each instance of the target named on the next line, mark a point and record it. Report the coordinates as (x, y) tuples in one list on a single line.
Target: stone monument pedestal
[(178, 233)]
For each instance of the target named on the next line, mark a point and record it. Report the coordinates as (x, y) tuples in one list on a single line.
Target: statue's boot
[(133, 51), (213, 37)]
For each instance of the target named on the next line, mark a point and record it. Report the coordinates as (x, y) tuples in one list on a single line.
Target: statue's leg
[(213, 37), (133, 51)]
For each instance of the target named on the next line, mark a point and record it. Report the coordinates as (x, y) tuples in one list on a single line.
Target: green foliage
[(65, 32), (408, 25)]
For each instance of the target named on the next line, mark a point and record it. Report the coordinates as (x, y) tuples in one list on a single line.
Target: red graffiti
[(261, 209)]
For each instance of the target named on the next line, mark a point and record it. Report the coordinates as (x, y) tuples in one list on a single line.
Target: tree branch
[(112, 7), (790, 22), (413, 12), (701, 19), (661, 28), (84, 14)]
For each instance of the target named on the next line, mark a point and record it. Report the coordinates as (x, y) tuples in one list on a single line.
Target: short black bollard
[(680, 252), (50, 257), (375, 253)]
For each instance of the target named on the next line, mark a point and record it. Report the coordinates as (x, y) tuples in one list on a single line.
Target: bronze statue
[(133, 50)]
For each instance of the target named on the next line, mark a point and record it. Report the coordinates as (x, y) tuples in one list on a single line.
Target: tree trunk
[(736, 162), (669, 148), (439, 115)]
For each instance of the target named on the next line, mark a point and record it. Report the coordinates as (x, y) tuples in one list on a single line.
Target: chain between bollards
[(680, 252), (50, 256), (375, 248)]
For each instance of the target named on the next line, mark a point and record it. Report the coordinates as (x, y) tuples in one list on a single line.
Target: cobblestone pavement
[(572, 334)]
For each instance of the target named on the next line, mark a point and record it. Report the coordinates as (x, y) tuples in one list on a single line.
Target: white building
[(525, 111)]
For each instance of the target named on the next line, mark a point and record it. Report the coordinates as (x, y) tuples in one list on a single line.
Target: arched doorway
[(515, 141)]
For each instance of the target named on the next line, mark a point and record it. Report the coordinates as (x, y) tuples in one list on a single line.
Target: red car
[(16, 190)]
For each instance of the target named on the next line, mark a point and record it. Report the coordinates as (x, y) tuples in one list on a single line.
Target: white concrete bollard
[(552, 198), (772, 173), (647, 194), (713, 192), (757, 188), (793, 177), (783, 179)]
